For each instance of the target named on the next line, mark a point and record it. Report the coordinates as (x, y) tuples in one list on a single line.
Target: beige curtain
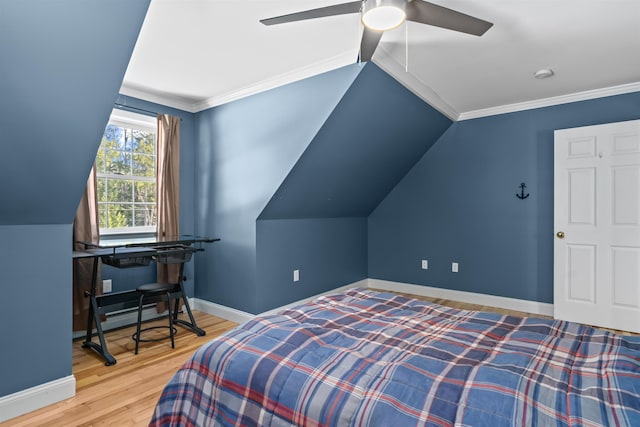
[(85, 229), (168, 188)]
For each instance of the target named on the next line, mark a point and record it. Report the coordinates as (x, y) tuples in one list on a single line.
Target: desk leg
[(94, 317), (91, 294), (102, 347), (192, 325)]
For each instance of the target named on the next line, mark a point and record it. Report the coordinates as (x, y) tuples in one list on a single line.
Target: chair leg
[(170, 319), (139, 322), (176, 308)]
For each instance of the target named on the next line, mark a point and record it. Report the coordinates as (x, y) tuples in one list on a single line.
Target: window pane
[(144, 165), (145, 215), (114, 134), (102, 215), (145, 192), (129, 142), (144, 142), (102, 190), (120, 190), (120, 215), (117, 162), (100, 159)]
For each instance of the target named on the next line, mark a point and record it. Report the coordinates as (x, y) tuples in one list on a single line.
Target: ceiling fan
[(381, 15)]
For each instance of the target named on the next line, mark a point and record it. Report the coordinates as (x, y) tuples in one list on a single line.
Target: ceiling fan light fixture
[(382, 15)]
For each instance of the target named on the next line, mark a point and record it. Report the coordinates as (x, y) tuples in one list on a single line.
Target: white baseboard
[(239, 316), (359, 284), (19, 403), (533, 307), (222, 311)]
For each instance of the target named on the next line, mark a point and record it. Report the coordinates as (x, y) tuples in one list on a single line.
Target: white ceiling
[(195, 54)]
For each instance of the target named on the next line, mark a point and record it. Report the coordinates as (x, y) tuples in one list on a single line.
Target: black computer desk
[(135, 252)]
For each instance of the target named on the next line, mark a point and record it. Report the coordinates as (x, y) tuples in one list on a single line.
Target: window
[(126, 174)]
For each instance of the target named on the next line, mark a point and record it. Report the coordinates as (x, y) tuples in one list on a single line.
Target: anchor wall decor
[(522, 196)]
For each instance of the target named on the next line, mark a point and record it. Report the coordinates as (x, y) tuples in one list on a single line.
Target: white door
[(597, 225)]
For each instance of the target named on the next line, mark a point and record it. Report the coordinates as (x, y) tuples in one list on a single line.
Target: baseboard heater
[(125, 317)]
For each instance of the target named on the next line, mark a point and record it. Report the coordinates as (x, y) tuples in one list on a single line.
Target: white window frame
[(128, 119)]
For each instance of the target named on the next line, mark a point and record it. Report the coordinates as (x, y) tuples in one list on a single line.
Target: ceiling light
[(543, 73), (382, 15)]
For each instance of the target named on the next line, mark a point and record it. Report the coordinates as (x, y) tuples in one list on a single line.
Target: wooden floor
[(126, 393)]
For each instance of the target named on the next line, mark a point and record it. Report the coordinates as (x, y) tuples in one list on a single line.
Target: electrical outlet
[(425, 264), (454, 267), (296, 275), (106, 286)]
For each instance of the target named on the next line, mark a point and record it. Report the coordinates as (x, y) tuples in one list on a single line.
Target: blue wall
[(332, 146), (458, 204), (373, 137), (244, 151), (35, 322), (62, 65), (328, 253)]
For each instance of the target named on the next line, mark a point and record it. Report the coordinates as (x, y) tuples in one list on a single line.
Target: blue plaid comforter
[(366, 358)]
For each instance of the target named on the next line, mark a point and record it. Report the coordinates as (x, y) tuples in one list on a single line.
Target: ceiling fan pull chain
[(406, 46), (359, 35)]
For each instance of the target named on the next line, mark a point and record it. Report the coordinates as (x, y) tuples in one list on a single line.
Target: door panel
[(626, 180), (626, 143), (581, 273), (626, 275), (582, 197), (581, 147)]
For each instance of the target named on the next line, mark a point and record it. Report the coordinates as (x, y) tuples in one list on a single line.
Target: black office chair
[(154, 292)]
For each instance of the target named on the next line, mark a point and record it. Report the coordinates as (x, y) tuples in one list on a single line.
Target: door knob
[(560, 234)]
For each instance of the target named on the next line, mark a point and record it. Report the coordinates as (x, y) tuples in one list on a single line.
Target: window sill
[(105, 237)]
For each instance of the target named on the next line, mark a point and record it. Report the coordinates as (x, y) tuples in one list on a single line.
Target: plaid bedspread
[(366, 358)]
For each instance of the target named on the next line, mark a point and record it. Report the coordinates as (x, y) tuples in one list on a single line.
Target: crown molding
[(307, 71), (183, 104), (150, 96), (548, 102), (391, 66)]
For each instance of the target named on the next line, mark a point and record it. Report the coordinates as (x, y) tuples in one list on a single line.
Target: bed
[(367, 358)]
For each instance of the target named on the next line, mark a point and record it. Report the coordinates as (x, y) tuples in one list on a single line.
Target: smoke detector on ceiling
[(543, 73)]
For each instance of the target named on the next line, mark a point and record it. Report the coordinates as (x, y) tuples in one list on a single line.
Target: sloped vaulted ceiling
[(61, 65), (373, 137)]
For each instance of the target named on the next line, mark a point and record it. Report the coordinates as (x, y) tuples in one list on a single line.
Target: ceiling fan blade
[(338, 9), (439, 16), (368, 44)]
